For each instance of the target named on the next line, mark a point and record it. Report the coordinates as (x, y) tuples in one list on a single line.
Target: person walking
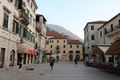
[(75, 60), (20, 62), (52, 61)]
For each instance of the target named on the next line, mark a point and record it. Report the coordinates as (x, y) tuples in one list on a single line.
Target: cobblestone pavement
[(62, 71)]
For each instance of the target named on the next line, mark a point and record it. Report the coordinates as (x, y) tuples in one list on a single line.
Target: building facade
[(17, 31), (110, 30), (108, 34), (65, 48), (90, 35), (40, 35), (74, 50), (107, 44)]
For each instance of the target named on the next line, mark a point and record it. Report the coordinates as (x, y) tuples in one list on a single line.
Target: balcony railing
[(23, 16), (114, 29)]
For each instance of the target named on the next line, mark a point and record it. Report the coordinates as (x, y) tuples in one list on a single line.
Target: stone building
[(109, 34), (64, 47), (40, 36), (107, 43), (17, 31), (90, 35)]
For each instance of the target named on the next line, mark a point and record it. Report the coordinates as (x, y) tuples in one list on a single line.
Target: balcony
[(114, 31), (23, 17)]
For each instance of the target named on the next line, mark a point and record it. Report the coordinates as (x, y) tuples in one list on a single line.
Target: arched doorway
[(70, 55), (12, 58), (2, 56), (77, 56)]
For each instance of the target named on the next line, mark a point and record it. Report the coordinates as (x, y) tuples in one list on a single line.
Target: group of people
[(51, 61)]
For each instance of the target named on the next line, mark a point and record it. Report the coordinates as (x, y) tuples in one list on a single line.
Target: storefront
[(99, 52), (27, 52), (114, 51)]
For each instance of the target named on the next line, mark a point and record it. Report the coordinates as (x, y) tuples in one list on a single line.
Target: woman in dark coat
[(20, 62), (52, 60), (75, 60)]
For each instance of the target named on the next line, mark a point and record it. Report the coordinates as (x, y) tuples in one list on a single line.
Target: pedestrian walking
[(52, 61), (57, 58), (75, 60), (20, 62)]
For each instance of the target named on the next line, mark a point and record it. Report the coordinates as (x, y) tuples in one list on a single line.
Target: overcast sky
[(74, 14)]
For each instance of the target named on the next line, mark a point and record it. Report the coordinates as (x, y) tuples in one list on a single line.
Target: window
[(17, 3), (92, 37), (105, 31), (100, 33), (92, 27), (64, 51), (25, 33), (51, 46), (64, 46), (64, 41), (70, 46), (15, 27), (77, 51), (70, 51), (57, 41), (111, 27), (5, 20), (119, 21), (51, 51), (93, 46), (77, 46)]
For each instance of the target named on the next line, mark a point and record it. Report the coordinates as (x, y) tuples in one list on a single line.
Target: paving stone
[(61, 71)]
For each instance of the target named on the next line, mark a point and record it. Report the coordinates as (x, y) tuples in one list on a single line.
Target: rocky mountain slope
[(60, 29)]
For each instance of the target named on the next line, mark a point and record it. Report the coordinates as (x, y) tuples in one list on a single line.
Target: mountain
[(60, 29)]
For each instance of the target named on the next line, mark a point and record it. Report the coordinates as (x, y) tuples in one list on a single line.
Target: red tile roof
[(74, 42), (55, 35)]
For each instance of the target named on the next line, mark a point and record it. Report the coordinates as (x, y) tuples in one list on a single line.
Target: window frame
[(5, 20), (92, 27)]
